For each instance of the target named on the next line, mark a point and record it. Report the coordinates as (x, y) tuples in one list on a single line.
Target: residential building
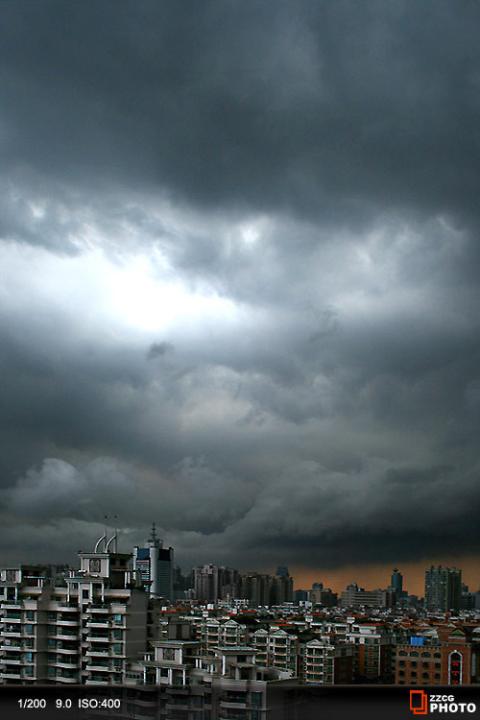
[(327, 664), (81, 628), (213, 583), (443, 588), (447, 655), (356, 597)]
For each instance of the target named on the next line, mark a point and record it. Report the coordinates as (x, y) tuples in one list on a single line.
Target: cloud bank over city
[(239, 279)]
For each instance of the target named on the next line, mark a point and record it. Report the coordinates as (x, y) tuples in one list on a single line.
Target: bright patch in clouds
[(146, 302), (135, 293)]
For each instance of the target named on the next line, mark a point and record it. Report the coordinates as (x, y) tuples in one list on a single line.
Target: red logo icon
[(418, 702)]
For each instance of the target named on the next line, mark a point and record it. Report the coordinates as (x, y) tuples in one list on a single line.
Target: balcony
[(68, 607), (12, 631), (92, 638), (97, 681), (68, 651), (99, 666), (64, 664), (13, 646), (234, 703), (63, 635), (97, 652), (66, 679), (10, 675)]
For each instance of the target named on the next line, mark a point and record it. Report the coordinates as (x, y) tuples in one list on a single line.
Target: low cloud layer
[(239, 280)]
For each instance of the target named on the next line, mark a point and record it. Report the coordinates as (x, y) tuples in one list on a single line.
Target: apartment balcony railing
[(10, 675), (98, 623), (97, 607), (62, 633), (13, 630)]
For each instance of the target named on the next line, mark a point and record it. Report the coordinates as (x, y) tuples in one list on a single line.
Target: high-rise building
[(213, 582), (396, 582), (443, 588), (81, 628), (155, 565), (256, 588), (260, 589)]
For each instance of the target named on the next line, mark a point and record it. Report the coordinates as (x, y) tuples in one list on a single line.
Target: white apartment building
[(214, 633), (224, 682), (325, 663), (277, 649), (81, 628)]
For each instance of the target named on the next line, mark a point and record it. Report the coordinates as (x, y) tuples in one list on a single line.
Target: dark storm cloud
[(331, 109), (238, 277)]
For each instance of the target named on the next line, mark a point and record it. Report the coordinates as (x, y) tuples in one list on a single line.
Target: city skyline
[(370, 577), (239, 282)]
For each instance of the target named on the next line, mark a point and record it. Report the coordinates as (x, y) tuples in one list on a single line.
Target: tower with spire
[(154, 563)]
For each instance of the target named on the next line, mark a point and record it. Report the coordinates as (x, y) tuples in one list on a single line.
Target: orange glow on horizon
[(376, 576)]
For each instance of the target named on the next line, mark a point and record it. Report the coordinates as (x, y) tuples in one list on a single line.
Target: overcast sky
[(239, 279)]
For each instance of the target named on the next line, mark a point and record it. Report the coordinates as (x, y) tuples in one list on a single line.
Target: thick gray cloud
[(239, 278)]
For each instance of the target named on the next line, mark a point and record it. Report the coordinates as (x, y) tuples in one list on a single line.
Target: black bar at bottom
[(285, 701)]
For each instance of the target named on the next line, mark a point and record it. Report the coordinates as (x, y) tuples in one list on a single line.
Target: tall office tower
[(82, 628), (181, 583), (155, 565), (282, 589), (212, 583), (396, 582), (443, 588), (205, 583), (256, 588)]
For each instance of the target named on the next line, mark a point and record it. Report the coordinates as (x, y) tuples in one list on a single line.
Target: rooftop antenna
[(103, 538), (113, 538), (153, 536)]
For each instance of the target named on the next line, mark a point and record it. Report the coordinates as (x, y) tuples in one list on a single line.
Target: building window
[(256, 699)]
